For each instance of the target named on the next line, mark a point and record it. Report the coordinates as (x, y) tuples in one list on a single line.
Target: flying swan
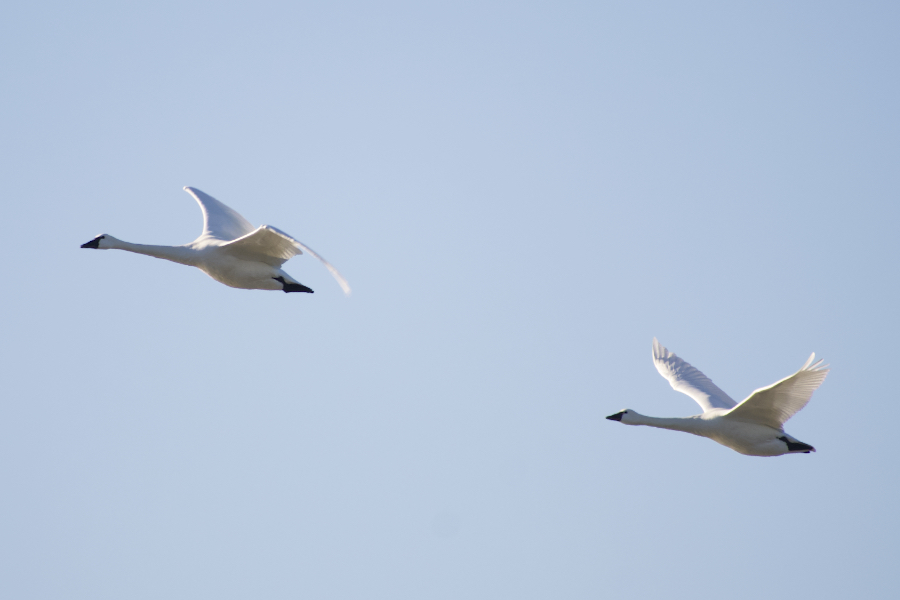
[(754, 427), (230, 250)]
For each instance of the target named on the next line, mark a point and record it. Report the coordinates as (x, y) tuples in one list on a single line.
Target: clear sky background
[(522, 195)]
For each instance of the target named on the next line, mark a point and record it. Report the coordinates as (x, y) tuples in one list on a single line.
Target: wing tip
[(337, 276), (334, 272), (817, 366), (659, 351), (194, 193)]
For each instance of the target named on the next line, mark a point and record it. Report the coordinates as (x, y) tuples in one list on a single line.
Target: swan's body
[(754, 427), (230, 250)]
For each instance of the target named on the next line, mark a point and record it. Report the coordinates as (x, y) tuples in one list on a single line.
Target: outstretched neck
[(180, 254), (686, 424)]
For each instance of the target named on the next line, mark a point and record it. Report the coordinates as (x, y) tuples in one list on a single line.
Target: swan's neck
[(687, 424), (180, 254)]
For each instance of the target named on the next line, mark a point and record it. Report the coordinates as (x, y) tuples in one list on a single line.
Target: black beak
[(94, 243), (616, 417)]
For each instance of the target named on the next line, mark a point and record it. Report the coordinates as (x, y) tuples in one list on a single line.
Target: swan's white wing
[(219, 221), (264, 244), (688, 380), (273, 246), (775, 404)]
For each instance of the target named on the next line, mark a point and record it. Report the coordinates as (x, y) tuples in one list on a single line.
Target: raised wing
[(775, 404), (219, 221), (688, 380), (273, 246)]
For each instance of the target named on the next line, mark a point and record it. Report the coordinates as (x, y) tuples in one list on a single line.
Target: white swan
[(230, 250), (753, 427)]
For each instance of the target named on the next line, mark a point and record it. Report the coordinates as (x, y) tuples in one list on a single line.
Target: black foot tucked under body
[(796, 446), (292, 287)]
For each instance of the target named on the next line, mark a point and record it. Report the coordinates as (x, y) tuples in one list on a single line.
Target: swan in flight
[(230, 250), (754, 427)]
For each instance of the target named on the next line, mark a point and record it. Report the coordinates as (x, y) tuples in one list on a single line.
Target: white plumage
[(754, 427), (230, 250)]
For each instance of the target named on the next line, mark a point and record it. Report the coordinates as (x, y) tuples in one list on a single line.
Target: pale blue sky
[(522, 195)]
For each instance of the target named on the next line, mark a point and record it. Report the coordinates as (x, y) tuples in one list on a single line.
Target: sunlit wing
[(273, 246), (219, 221), (688, 380), (775, 404)]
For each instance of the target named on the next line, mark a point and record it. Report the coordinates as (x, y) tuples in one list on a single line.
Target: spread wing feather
[(219, 221), (273, 246), (775, 404), (689, 380)]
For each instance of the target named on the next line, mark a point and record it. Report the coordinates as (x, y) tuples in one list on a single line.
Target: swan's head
[(101, 242), (622, 416)]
